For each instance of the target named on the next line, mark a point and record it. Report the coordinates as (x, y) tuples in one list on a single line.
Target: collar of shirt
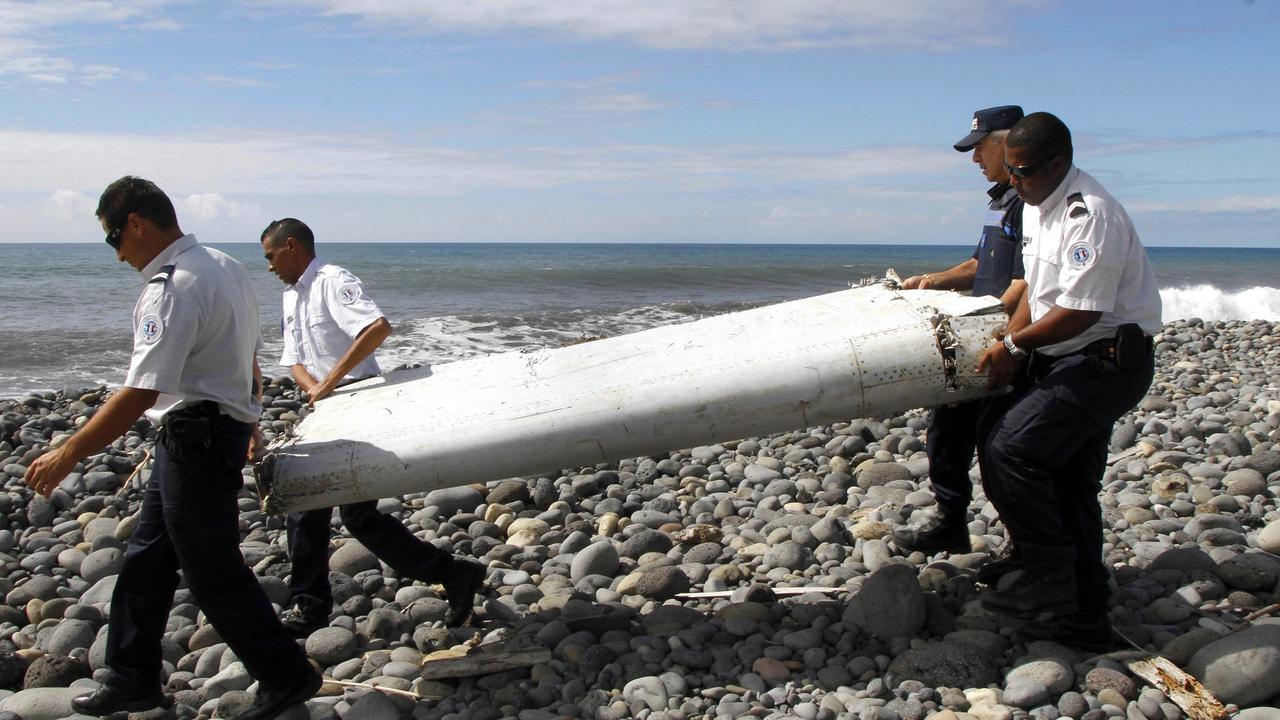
[(998, 190), (166, 256), (1059, 193), (309, 274)]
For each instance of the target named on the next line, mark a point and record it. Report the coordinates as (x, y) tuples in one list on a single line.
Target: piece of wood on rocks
[(379, 688), (483, 663), (782, 591), (1247, 620), (1182, 688)]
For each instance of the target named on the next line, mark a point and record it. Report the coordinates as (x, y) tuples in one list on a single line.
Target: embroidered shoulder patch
[(349, 293), (1076, 207), (1081, 255), (150, 329)]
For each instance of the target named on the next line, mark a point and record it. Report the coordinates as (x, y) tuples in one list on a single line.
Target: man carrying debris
[(1094, 305), (331, 329), (994, 269)]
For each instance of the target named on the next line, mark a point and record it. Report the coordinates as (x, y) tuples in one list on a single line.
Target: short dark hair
[(278, 230), (1043, 135), (132, 194)]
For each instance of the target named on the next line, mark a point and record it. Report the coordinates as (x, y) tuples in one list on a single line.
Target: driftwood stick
[(146, 457), (776, 591), (1182, 688), (483, 663), (1247, 620), (379, 688)]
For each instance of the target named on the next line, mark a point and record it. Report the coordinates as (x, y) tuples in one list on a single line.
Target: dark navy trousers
[(384, 536), (1044, 453), (190, 521), (950, 443)]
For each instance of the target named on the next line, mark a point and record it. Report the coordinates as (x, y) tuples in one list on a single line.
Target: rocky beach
[(752, 578)]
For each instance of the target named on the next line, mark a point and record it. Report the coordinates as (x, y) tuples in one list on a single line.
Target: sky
[(716, 121)]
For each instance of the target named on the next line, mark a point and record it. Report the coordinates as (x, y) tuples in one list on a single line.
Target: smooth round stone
[(70, 635), (352, 558), (1269, 537), (406, 670), (789, 555), (599, 558), (331, 645), (1243, 668), (101, 563), (1025, 693), (71, 559), (1054, 675), (512, 578)]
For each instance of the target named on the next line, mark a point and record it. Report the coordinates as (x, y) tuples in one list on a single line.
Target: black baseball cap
[(984, 121)]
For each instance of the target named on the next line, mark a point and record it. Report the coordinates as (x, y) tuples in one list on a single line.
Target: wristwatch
[(1014, 350)]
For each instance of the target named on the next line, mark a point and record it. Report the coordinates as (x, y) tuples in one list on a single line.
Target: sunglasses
[(1025, 171), (113, 238)]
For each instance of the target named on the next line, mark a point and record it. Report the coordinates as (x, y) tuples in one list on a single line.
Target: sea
[(67, 307)]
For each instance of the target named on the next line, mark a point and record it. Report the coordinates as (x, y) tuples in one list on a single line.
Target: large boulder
[(890, 603), (947, 664), (1243, 668)]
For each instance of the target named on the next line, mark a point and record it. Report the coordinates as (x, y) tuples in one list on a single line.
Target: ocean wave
[(442, 339), (1208, 302)]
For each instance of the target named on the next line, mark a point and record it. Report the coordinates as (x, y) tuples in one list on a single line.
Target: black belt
[(197, 421), (1104, 349)]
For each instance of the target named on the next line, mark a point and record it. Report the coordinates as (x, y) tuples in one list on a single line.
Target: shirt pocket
[(1049, 254), (316, 316)]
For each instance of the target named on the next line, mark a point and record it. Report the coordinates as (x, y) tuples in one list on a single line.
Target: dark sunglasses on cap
[(1025, 171)]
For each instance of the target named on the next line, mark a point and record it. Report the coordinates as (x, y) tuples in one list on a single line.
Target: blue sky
[(783, 121)]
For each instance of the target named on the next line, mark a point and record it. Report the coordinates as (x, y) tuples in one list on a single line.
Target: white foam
[(1208, 302), (442, 339)]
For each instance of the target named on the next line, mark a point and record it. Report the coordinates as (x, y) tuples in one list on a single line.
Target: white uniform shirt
[(323, 313), (195, 332), (1081, 252)]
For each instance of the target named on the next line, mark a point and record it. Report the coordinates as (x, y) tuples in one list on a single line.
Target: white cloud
[(291, 163), (618, 102), (213, 206), (703, 24), (28, 48), (71, 205), (1223, 204), (231, 81)]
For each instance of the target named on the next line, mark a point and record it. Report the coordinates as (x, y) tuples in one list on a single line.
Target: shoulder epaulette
[(1076, 207), (163, 276)]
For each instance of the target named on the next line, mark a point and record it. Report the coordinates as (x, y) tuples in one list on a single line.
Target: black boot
[(1034, 593), (466, 578), (112, 699), (1088, 630), (945, 531), (270, 702), (306, 615), (991, 573)]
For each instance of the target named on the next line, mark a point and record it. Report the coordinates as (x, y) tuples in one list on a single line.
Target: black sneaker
[(112, 699), (942, 532), (466, 578), (1035, 594), (270, 702), (1083, 630), (301, 620)]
